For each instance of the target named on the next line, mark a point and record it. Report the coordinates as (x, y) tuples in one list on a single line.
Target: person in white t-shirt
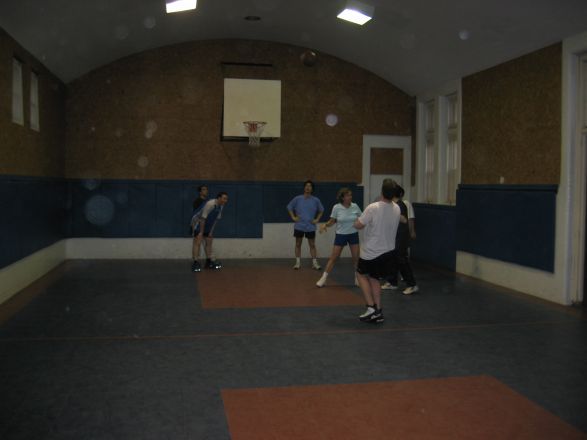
[(344, 214), (379, 223)]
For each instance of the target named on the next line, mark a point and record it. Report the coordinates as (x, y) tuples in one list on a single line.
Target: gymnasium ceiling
[(414, 44)]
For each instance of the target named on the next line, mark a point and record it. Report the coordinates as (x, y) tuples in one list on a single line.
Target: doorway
[(379, 164)]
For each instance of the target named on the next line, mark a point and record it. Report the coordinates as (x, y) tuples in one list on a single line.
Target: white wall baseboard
[(20, 274), (277, 242), (523, 279)]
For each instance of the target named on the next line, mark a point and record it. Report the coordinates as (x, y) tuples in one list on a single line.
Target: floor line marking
[(271, 334)]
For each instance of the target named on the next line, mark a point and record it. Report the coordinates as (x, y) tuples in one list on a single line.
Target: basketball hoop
[(254, 130)]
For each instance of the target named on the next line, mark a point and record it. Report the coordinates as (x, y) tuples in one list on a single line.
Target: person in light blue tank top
[(344, 214)]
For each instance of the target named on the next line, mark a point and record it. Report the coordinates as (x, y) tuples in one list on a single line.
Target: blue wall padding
[(510, 223), (40, 211), (34, 212), (435, 235)]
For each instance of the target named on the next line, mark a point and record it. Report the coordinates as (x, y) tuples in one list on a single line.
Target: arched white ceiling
[(414, 44)]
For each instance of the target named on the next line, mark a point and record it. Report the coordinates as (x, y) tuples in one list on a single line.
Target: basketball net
[(254, 130)]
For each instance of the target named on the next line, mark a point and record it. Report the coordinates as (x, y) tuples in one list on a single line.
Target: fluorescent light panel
[(180, 5), (357, 12)]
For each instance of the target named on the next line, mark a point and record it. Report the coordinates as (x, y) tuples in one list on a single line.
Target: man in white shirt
[(377, 258)]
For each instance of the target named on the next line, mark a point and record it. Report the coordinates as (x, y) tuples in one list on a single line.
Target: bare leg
[(312, 244), (375, 292), (354, 254), (299, 246), (196, 244), (365, 285), (208, 248), (336, 251)]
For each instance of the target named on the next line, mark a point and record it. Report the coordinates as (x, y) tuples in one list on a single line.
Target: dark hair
[(389, 189), (222, 193), (310, 182), (399, 192), (202, 186), (341, 193)]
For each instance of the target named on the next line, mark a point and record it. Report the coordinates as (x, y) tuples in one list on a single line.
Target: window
[(438, 145), (430, 155), (34, 101), (17, 93), (452, 148)]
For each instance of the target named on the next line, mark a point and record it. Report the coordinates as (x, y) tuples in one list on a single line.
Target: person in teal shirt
[(344, 214)]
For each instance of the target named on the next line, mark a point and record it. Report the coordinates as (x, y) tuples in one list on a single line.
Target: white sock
[(324, 275), (314, 260), (297, 260)]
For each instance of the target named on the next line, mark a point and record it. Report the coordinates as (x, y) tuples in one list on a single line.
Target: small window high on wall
[(35, 101), (17, 93)]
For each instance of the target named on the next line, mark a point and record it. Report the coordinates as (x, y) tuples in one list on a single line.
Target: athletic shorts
[(301, 234), (344, 239), (381, 267)]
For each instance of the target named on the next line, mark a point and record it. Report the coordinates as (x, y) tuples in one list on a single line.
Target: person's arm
[(291, 210), (358, 225), (403, 219), (318, 217), (326, 225), (205, 212), (212, 228), (412, 227)]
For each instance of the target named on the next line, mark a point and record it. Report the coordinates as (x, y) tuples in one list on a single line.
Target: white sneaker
[(321, 281), (367, 314), (297, 265), (410, 290), (316, 265), (388, 286)]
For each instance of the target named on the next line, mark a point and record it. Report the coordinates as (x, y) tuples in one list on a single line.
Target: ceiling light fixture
[(357, 12), (180, 5)]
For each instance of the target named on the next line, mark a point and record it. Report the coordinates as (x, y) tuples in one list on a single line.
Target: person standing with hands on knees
[(377, 259), (344, 214), (305, 210), (198, 205), (203, 224)]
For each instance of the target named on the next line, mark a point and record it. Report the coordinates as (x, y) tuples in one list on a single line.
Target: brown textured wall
[(512, 121), (111, 113), (387, 161), (24, 151)]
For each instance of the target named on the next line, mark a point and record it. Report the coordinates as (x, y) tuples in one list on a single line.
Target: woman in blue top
[(344, 214)]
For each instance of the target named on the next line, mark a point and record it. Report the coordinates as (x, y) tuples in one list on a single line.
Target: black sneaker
[(377, 317), (196, 267), (213, 265), (367, 314)]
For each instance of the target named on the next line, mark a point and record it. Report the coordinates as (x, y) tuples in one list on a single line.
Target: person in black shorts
[(379, 222), (305, 210)]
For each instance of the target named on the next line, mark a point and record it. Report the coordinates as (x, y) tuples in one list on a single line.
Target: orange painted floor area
[(477, 408), (271, 286)]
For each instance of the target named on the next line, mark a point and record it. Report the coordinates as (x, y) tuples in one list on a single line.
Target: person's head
[(400, 192), (308, 187), (222, 198), (344, 196), (203, 191), (389, 189)]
